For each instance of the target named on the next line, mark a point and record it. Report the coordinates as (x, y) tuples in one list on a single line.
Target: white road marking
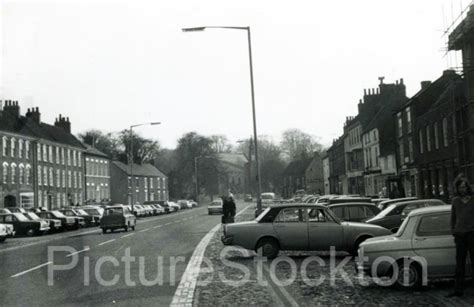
[(158, 226), (144, 230), (32, 269), (106, 242), (78, 252), (184, 294), (129, 235), (84, 233), (167, 224)]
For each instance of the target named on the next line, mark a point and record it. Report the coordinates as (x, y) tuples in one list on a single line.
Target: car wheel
[(394, 230), (133, 227), (126, 228), (409, 275), (104, 230), (30, 232), (2, 239), (269, 247), (358, 242)]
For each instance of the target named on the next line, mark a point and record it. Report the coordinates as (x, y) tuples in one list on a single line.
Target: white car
[(10, 230), (423, 244), (174, 206), (3, 232), (185, 204), (138, 210), (215, 207)]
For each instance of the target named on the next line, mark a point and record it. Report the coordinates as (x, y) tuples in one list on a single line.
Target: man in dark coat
[(228, 209)]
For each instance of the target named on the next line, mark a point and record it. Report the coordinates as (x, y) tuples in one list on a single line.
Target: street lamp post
[(249, 166), (259, 185), (131, 157)]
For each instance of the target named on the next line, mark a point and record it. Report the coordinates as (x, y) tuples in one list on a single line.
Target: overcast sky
[(110, 64)]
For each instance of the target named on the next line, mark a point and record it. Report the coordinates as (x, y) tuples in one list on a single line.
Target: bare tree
[(220, 144), (298, 144)]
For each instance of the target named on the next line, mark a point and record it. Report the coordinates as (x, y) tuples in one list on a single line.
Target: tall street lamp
[(131, 157), (249, 165), (259, 185)]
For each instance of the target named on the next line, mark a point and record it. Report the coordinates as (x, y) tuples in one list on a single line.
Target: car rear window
[(289, 215), (339, 211), (356, 212), (435, 225)]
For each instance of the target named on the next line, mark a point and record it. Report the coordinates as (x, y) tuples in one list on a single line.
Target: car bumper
[(227, 240), (214, 210)]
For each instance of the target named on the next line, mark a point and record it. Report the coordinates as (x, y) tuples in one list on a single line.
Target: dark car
[(117, 217), (81, 219), (354, 212), (393, 216), (341, 200), (54, 224), (384, 204), (68, 223), (23, 225)]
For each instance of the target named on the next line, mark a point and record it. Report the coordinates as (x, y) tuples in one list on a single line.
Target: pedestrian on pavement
[(228, 209), (462, 226)]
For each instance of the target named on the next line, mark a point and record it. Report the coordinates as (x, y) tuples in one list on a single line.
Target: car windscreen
[(92, 211), (117, 210), (81, 212), (57, 214), (385, 211), (33, 216), (20, 217)]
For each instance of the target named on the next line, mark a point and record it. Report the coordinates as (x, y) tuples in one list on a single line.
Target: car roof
[(396, 200), (351, 204), (417, 201), (297, 205), (428, 210)]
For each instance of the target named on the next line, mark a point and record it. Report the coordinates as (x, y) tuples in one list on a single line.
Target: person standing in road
[(462, 226)]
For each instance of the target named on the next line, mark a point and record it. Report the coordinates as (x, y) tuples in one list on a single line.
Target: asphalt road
[(161, 247)]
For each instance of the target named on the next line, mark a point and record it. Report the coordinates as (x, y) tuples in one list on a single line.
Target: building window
[(400, 125), (79, 159), (50, 148), (137, 182), (445, 132), (45, 153), (21, 174), (62, 156), (402, 156), (74, 161), (410, 149), (79, 177), (5, 173), (40, 198), (58, 158), (436, 135), (28, 174), (74, 183), (51, 178), (69, 179), (13, 174), (45, 176), (38, 152), (58, 178), (408, 119), (376, 156), (145, 180), (12, 147), (20, 149), (428, 139), (40, 174), (27, 148), (64, 179), (4, 146), (68, 157), (129, 182), (420, 137), (151, 183)]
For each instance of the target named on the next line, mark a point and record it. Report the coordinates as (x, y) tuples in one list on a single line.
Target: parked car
[(117, 217), (68, 223), (10, 230), (139, 211), (299, 227), (54, 224), (87, 220), (354, 212), (426, 233), (248, 198), (4, 210), (3, 232), (384, 204), (184, 204), (16, 209), (325, 199), (349, 199), (78, 220), (23, 225), (94, 210), (154, 206), (215, 207), (173, 207), (148, 209), (193, 203), (393, 216)]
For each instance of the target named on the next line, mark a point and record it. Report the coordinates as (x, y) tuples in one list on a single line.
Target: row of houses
[(45, 165), (409, 146)]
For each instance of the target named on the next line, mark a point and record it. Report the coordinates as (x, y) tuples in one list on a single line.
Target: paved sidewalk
[(260, 289)]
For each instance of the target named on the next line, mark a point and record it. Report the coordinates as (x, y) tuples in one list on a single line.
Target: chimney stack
[(34, 114), (63, 123), (11, 108)]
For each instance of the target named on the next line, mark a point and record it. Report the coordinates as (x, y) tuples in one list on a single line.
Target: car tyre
[(126, 228), (270, 247), (358, 242), (30, 232), (411, 273), (104, 230), (2, 239), (133, 227)]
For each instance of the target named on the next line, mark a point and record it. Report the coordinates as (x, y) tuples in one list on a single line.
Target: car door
[(323, 230), (434, 241), (291, 228)]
